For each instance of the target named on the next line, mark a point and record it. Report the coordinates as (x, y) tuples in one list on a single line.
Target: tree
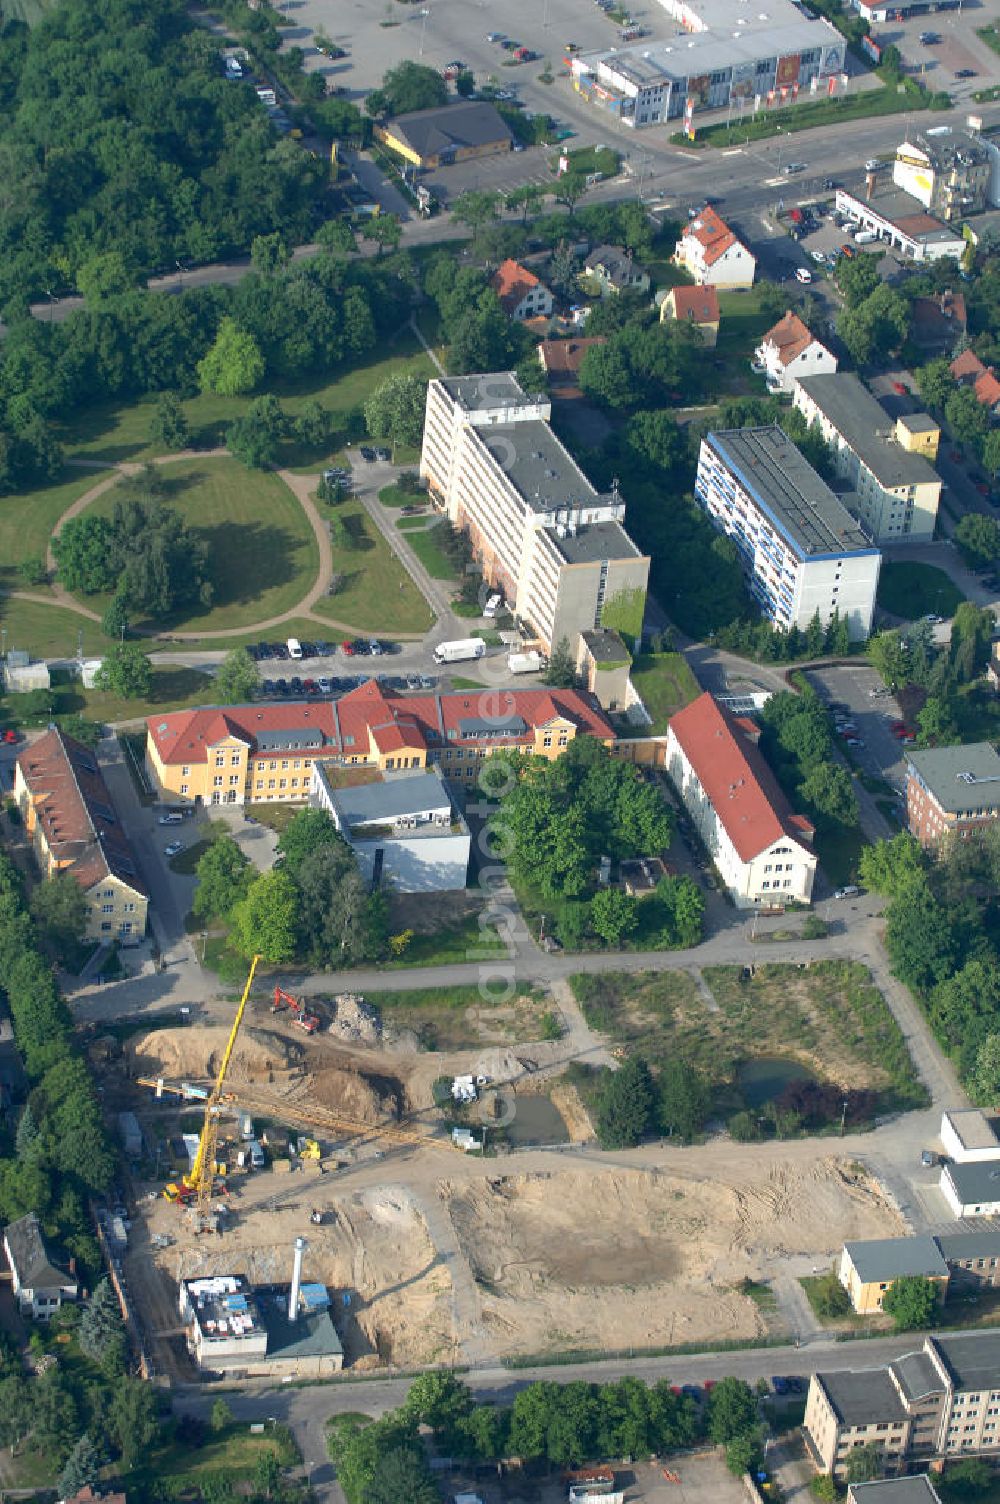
[(864, 1463), (169, 426), (892, 867), (412, 86), (336, 237), (991, 453), (81, 1469), (936, 383), (829, 1296), (984, 1079), (101, 1333), (267, 1473), (919, 938), (625, 1106), (116, 621), (265, 921), (684, 1099), (937, 723), (236, 681), (527, 198), (744, 1453), (221, 1417), (269, 254), (125, 671), (132, 1420), (312, 425), (395, 410), (966, 416), (614, 914), (105, 275), (876, 327), (890, 659), (254, 437), (828, 791), (233, 365), (560, 671), (309, 831), (475, 209), (83, 550), (224, 874), (683, 905), (60, 909), (732, 1410), (384, 230), (441, 1401), (858, 277), (969, 1478), (570, 188), (979, 539), (911, 1301)]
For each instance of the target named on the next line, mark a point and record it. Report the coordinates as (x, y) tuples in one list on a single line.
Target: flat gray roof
[(593, 542), (975, 1182), (916, 1375), (312, 1335), (480, 393), (542, 470), (605, 645), (392, 798), (973, 1128), (861, 1396), (944, 145), (878, 1259), (722, 47), (960, 778), (807, 513), (972, 1358), (894, 1491), (956, 1246), (868, 429)]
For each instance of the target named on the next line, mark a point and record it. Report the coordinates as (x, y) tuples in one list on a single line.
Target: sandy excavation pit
[(373, 1244), (633, 1258), (276, 1068)]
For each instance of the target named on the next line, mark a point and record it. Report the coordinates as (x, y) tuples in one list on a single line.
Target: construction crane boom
[(201, 1176)]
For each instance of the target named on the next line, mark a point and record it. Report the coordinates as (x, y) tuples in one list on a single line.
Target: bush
[(744, 1127), (829, 1298)]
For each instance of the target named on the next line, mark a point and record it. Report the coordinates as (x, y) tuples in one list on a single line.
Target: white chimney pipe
[(293, 1295)]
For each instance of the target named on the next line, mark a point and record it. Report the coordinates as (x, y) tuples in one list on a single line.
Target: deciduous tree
[(125, 671), (395, 410), (233, 365), (224, 876), (911, 1301), (237, 680), (266, 920)]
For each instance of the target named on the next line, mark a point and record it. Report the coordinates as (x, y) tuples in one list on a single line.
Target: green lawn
[(263, 554), (173, 689), (886, 100), (990, 35), (117, 431), (233, 1452), (431, 556), (27, 520), (395, 496), (375, 593), (458, 943), (914, 590), (413, 524), (741, 324), (665, 685), (49, 631)]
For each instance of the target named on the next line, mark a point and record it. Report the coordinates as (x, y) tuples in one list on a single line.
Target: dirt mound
[(364, 1098), (196, 1053)]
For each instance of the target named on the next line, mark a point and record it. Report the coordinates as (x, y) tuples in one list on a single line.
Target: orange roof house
[(710, 251), (760, 847), (521, 294), (694, 305)]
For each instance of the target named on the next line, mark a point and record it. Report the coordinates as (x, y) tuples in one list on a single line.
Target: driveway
[(882, 755)]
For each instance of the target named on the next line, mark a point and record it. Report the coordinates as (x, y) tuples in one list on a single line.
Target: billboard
[(788, 70), (698, 87)]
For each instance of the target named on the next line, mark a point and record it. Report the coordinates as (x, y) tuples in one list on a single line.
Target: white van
[(865, 237), (493, 605), (294, 647)]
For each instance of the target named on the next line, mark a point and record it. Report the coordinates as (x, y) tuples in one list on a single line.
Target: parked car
[(173, 818), (348, 648), (375, 648), (853, 741), (324, 685), (900, 389), (367, 454), (361, 648), (383, 454), (412, 682), (427, 682), (779, 1383), (803, 274), (793, 167), (173, 848), (873, 164), (11, 736), (928, 1158), (819, 257), (295, 685), (965, 72), (281, 685), (849, 891)]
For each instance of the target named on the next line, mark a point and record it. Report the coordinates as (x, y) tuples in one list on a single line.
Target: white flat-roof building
[(801, 550), (968, 1136), (232, 1328), (720, 53), (894, 492), (900, 220), (553, 545), (403, 828), (972, 1190)]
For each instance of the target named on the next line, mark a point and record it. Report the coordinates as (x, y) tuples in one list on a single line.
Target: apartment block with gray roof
[(545, 537), (941, 1400), (916, 1490), (952, 790)]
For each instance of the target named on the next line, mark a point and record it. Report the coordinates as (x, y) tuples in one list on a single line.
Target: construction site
[(302, 1125)]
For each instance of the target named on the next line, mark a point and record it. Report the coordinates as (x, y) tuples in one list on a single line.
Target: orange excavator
[(297, 1008)]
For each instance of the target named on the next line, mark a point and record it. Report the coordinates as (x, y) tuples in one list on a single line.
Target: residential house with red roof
[(968, 370), (790, 350), (244, 754), (711, 252), (522, 295), (694, 305), (74, 829), (561, 360), (761, 849)]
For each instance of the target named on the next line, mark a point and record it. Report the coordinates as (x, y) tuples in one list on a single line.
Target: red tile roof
[(737, 781), (512, 282), (987, 389), (712, 234), (75, 813), (967, 364), (697, 305), (393, 721), (564, 357), (791, 336)]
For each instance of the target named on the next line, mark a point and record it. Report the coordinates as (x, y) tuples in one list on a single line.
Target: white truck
[(459, 649), (526, 663)]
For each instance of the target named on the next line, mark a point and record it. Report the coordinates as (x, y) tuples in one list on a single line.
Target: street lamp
[(424, 13)]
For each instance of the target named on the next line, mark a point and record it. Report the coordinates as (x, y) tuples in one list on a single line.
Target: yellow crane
[(198, 1183)]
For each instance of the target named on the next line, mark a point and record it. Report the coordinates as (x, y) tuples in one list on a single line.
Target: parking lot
[(882, 755)]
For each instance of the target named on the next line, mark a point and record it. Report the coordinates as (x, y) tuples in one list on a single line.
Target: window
[(273, 766), (547, 740), (130, 908), (284, 766), (282, 783), (108, 893), (259, 784), (234, 761), (217, 781), (295, 783), (106, 925), (296, 763), (765, 884), (220, 759), (184, 788), (234, 779), (767, 867), (270, 783), (107, 908)]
